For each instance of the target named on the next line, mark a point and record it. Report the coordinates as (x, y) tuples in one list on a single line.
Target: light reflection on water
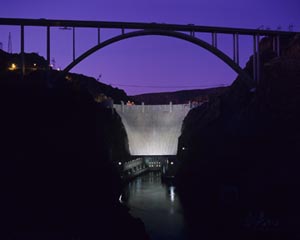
[(157, 205)]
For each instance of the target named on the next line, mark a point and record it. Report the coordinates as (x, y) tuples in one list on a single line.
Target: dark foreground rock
[(239, 154), (57, 172)]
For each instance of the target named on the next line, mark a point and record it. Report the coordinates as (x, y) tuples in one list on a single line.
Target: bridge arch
[(225, 58)]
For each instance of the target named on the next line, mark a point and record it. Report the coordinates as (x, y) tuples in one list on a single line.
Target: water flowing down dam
[(152, 129)]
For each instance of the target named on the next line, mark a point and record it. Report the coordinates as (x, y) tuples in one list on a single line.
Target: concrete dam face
[(153, 129)]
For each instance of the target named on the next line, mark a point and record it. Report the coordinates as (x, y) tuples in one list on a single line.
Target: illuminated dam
[(153, 130)]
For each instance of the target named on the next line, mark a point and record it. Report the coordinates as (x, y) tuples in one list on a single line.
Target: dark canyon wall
[(58, 174), (239, 153)]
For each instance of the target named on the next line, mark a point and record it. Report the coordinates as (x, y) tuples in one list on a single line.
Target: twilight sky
[(148, 64)]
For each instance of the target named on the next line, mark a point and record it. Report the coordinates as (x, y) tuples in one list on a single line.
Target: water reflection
[(157, 205), (172, 193)]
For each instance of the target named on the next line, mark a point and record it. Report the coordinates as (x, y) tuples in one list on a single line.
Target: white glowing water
[(153, 129)]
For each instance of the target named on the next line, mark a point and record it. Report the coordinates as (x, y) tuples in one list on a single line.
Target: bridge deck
[(138, 25)]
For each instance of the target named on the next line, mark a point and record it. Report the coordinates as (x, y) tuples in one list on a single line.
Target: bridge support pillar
[(143, 107), (98, 36), (214, 40), (171, 107), (48, 47), (256, 59), (22, 53), (74, 44), (236, 48), (48, 54)]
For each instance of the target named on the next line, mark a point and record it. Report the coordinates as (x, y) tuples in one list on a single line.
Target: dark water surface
[(157, 205)]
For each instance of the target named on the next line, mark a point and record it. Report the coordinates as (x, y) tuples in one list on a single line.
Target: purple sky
[(148, 64)]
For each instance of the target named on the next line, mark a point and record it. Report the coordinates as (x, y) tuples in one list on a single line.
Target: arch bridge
[(135, 29)]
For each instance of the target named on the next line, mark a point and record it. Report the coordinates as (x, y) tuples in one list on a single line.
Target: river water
[(157, 205)]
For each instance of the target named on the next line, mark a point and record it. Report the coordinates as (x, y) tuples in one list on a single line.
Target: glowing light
[(34, 64), (183, 148), (12, 67), (120, 163), (120, 199), (171, 163), (172, 193), (129, 103)]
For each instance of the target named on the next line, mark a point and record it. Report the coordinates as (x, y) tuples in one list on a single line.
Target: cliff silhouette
[(36, 66), (239, 154), (58, 162)]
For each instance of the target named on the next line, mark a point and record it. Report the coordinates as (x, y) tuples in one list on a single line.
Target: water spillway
[(152, 129)]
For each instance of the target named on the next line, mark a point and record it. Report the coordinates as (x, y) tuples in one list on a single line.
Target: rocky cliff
[(239, 153), (57, 171)]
